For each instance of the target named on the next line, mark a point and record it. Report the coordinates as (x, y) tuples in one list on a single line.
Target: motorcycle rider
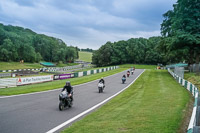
[(128, 73), (102, 80), (132, 71), (124, 78), (69, 89)]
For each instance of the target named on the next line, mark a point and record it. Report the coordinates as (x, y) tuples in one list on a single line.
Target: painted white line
[(1, 97), (90, 109)]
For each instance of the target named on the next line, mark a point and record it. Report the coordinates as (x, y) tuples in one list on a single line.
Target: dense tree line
[(134, 50), (17, 43), (86, 50), (181, 31)]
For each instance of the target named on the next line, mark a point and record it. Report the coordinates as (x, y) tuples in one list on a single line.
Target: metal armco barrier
[(89, 72), (5, 75), (194, 125)]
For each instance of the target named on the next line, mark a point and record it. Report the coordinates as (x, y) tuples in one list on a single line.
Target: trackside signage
[(62, 76), (30, 80)]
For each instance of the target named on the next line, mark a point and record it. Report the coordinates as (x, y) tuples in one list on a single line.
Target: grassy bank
[(155, 103), (17, 65), (85, 56), (193, 78), (56, 84)]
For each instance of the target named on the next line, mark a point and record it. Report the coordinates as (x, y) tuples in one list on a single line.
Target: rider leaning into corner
[(69, 89), (102, 80)]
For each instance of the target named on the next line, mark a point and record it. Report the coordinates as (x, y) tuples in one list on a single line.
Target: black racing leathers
[(69, 90)]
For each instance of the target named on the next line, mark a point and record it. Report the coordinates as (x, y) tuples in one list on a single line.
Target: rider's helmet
[(101, 77), (68, 83)]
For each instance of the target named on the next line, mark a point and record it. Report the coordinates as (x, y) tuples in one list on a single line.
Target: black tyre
[(61, 106), (70, 104), (99, 90)]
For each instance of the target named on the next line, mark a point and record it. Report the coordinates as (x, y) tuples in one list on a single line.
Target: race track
[(39, 113)]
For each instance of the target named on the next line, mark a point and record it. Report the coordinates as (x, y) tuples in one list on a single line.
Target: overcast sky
[(87, 23)]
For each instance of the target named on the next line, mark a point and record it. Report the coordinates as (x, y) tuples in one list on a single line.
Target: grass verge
[(137, 66), (155, 103), (56, 84)]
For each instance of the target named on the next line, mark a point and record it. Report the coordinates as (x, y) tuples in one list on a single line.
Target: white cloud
[(87, 23)]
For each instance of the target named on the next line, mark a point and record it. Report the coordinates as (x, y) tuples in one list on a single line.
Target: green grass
[(193, 78), (56, 84), (17, 65), (137, 66), (155, 103), (68, 64), (85, 56)]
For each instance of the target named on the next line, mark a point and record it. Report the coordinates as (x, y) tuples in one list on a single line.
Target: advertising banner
[(72, 75), (56, 77), (64, 76), (7, 82), (31, 80)]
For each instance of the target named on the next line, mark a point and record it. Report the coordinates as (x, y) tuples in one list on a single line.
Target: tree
[(182, 25), (4, 54), (16, 43), (11, 50), (71, 54), (135, 50), (27, 53), (38, 57)]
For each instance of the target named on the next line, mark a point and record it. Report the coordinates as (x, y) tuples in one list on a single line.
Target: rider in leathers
[(69, 89), (102, 80)]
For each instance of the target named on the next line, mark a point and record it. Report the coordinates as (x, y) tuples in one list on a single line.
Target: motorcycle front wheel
[(70, 104), (61, 106), (100, 89)]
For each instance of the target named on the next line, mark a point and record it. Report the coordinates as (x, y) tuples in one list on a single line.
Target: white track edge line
[(1, 97), (90, 109)]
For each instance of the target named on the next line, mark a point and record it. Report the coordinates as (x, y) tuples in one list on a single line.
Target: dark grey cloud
[(87, 23)]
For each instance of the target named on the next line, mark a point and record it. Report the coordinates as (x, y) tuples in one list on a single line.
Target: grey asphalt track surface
[(39, 113)]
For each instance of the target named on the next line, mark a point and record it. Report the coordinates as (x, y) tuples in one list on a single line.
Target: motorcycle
[(123, 80), (65, 100), (128, 74), (132, 72), (100, 87)]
